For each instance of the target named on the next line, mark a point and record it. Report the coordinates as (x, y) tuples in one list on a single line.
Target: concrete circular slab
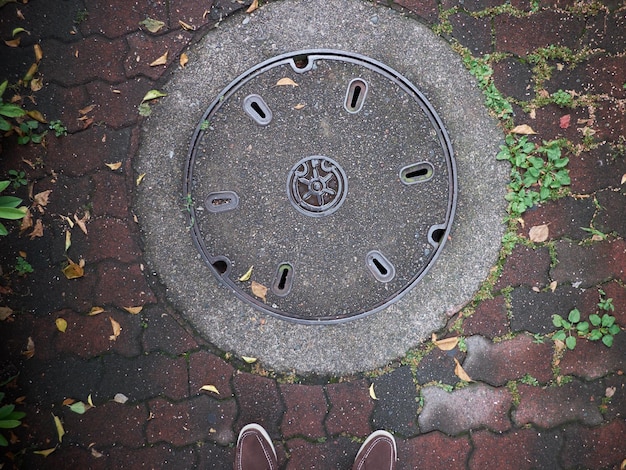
[(388, 37)]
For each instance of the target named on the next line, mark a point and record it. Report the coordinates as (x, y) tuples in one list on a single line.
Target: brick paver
[(96, 70)]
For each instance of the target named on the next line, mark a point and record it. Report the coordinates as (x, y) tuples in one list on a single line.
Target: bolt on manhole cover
[(329, 174)]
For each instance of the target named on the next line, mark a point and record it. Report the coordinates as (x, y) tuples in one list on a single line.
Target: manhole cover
[(330, 175)]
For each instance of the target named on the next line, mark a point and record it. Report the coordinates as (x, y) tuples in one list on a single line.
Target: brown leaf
[(460, 372), (19, 14), (41, 199), (82, 221), (446, 344), (37, 230), (523, 129), (184, 58), (30, 348), (253, 6), (539, 233), (140, 179), (27, 222), (564, 121), (38, 52), (86, 109), (68, 401), (286, 82), (37, 116), (5, 312), (160, 61), (259, 290), (185, 26), (36, 84), (13, 42), (73, 270), (134, 310), (299, 106), (114, 166), (117, 329)]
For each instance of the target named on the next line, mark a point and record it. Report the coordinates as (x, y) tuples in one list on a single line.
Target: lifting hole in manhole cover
[(327, 173)]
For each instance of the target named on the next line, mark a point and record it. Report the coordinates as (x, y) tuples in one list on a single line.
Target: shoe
[(255, 450), (378, 452)]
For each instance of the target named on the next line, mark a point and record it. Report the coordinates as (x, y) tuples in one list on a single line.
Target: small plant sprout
[(22, 267), (58, 128), (9, 419), (597, 328), (204, 125), (17, 178)]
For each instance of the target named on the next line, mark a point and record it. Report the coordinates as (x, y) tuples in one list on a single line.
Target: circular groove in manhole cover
[(330, 174)]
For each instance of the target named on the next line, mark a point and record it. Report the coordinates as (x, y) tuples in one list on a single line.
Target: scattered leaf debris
[(286, 82), (259, 290), (539, 233)]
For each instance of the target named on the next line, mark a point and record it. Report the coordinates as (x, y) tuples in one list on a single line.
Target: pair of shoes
[(378, 452), (255, 450)]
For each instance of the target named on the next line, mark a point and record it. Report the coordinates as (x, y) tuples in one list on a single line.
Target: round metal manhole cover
[(327, 173)]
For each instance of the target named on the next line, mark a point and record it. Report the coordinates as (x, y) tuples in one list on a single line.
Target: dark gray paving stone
[(532, 311), (396, 408)]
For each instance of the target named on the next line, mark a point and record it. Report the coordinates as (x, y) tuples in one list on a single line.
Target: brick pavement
[(531, 405)]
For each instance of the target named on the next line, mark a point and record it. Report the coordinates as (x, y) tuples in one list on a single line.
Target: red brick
[(350, 408), (512, 78), (611, 203), (146, 49), (607, 30), (518, 449), (122, 285), (158, 456), (216, 457), (92, 58), (192, 420), (596, 448), (110, 195), (592, 264), (108, 238), (115, 18), (596, 169), (117, 105), (489, 319), (547, 124), (334, 453), (195, 13), (611, 120), (107, 424), (68, 456), (522, 35), (57, 102), (473, 33), (592, 359), (426, 9), (433, 451), (508, 360), (259, 402), (206, 368), (306, 410), (164, 333), (553, 406), (473, 407), (525, 266), (565, 217)]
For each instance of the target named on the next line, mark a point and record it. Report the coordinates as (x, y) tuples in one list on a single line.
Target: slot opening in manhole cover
[(327, 173)]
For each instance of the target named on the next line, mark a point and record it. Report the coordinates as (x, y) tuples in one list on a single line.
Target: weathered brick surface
[(396, 407), (607, 30), (591, 359), (590, 265), (473, 407), (208, 369), (157, 456), (426, 9), (306, 409), (532, 311), (553, 406), (350, 408), (498, 363), (611, 203), (595, 448), (196, 419), (525, 266), (127, 16), (164, 333), (109, 238), (335, 453), (565, 218), (145, 49), (117, 105), (215, 457), (513, 78), (433, 451), (259, 402), (596, 169), (122, 285), (518, 449), (69, 456), (438, 366), (473, 33), (110, 194), (489, 319)]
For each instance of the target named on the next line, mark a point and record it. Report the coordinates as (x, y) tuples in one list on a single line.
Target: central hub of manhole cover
[(330, 175)]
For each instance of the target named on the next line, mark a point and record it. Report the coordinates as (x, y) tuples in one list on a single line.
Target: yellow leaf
[(59, 426), (286, 82), (539, 233), (460, 372), (259, 290), (372, 393), (623, 179), (524, 129), (5, 312), (210, 388), (299, 106), (134, 310), (185, 26), (61, 324), (160, 61), (152, 25), (114, 166), (553, 285), (249, 360), (17, 31), (38, 52), (30, 348), (68, 240), (253, 6), (184, 58), (73, 270), (117, 329), (152, 95), (90, 401), (95, 311), (140, 178), (46, 452), (447, 344), (246, 276)]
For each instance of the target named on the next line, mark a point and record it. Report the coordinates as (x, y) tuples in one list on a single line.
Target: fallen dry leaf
[(210, 388), (246, 276), (36, 84), (114, 166), (30, 348), (185, 26), (372, 393), (447, 344), (95, 454), (299, 106), (249, 360), (95, 311), (40, 200), (564, 121), (73, 270), (13, 42), (152, 25), (160, 61), (623, 178), (253, 6), (5, 312), (523, 129), (120, 398), (45, 452), (68, 401), (27, 222), (61, 324), (68, 240), (460, 372), (81, 222), (134, 310), (38, 52), (539, 233), (59, 426), (19, 14), (152, 95), (86, 109), (286, 82), (117, 329), (140, 179), (553, 285), (259, 290), (36, 115), (184, 58), (37, 230)]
